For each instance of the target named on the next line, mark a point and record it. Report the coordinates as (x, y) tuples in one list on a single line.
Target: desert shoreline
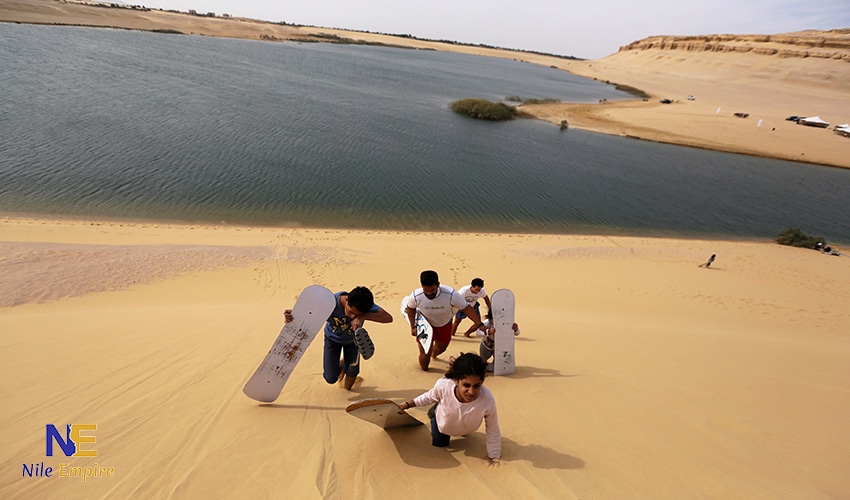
[(777, 86)]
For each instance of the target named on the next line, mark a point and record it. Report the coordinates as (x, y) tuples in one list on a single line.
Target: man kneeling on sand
[(436, 303)]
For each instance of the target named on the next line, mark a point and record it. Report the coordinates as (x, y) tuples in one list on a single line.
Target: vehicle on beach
[(813, 121), (666, 101), (691, 98), (742, 115), (793, 118)]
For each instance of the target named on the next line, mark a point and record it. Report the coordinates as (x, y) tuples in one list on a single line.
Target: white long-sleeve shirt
[(459, 419)]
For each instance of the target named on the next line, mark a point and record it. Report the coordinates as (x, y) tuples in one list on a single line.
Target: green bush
[(796, 238), (483, 109)]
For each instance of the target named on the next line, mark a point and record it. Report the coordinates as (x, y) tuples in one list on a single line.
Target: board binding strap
[(364, 343)]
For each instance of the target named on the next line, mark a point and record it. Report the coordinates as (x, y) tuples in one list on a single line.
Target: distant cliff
[(832, 44)]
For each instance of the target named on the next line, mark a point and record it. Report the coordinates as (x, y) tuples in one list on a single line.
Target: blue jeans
[(462, 315), (437, 438), (351, 360)]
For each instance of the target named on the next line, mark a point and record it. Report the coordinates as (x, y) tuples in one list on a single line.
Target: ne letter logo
[(70, 444)]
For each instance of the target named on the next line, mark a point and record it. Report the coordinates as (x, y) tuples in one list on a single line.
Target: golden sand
[(639, 374)]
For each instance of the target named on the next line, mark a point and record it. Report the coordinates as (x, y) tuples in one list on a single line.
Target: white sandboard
[(424, 332), (310, 312), (382, 412), (503, 305)]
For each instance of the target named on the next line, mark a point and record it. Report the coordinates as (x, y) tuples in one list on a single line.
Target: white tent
[(814, 121), (843, 129)]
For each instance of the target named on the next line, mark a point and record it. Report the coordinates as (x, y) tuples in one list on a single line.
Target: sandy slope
[(767, 87), (639, 373)]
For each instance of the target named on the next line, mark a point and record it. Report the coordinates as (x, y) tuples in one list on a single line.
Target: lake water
[(112, 123)]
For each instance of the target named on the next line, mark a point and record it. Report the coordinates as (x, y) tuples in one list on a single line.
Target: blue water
[(111, 123)]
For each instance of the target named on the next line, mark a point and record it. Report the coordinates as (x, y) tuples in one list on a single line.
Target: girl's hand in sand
[(403, 407)]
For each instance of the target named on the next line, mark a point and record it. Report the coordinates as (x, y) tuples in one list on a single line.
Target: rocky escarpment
[(832, 44)]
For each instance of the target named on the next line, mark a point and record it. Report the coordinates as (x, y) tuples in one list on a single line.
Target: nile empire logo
[(77, 442)]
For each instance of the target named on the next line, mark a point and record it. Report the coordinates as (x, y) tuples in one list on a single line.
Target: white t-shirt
[(459, 419), (470, 297), (439, 310)]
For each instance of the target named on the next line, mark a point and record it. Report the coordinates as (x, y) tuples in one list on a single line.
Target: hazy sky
[(587, 28)]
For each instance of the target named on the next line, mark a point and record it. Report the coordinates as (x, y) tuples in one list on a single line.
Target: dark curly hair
[(361, 299), (466, 364)]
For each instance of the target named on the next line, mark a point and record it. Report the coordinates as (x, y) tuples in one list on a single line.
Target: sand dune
[(725, 77), (639, 373)]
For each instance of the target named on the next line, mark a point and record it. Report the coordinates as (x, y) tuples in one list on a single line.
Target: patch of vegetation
[(631, 91), (483, 109), (796, 238), (331, 38), (545, 100)]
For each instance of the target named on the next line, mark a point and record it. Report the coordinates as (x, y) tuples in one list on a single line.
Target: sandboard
[(381, 412), (503, 304), (310, 312), (424, 332)]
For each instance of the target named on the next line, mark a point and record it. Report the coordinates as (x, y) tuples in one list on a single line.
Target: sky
[(588, 29)]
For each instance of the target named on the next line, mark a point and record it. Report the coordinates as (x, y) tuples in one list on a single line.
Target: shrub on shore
[(531, 100), (631, 90), (796, 238), (483, 109)]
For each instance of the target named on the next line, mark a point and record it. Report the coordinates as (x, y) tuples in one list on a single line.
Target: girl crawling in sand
[(461, 403)]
